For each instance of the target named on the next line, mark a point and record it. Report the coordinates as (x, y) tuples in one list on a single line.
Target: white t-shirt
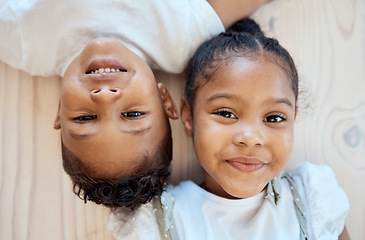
[(198, 214), (42, 37)]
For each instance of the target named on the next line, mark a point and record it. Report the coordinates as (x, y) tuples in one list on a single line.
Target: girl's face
[(114, 117), (242, 126)]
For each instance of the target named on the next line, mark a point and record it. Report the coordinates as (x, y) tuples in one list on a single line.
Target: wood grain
[(36, 200), (327, 41)]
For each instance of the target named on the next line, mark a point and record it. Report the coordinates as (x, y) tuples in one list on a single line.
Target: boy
[(116, 138)]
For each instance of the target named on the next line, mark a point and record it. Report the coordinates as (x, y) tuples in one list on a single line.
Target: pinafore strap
[(299, 206)]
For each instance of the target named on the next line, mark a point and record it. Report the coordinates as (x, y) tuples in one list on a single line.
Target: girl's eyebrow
[(222, 95), (235, 97), (280, 101)]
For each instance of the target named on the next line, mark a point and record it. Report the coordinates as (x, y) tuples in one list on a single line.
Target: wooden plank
[(36, 200), (327, 41)]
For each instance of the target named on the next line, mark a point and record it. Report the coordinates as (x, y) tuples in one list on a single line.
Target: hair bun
[(246, 25)]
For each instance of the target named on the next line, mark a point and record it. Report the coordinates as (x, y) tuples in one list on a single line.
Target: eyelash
[(131, 115), (89, 118), (224, 113), (277, 117)]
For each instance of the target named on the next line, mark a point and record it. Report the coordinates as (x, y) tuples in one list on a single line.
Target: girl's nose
[(249, 135), (105, 94)]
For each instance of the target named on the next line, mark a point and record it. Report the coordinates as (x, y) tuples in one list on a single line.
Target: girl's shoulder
[(325, 201)]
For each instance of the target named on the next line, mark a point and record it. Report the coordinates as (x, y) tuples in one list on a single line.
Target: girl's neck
[(219, 191)]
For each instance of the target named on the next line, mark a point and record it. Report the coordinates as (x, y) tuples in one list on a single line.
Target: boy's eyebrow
[(80, 136), (133, 132), (137, 131)]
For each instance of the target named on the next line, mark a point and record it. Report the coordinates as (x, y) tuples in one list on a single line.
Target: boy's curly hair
[(128, 192)]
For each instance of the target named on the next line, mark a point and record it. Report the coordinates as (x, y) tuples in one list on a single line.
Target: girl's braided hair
[(243, 39)]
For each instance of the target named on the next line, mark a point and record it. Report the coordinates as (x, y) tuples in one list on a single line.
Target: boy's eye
[(132, 114), (225, 113), (85, 118), (274, 119)]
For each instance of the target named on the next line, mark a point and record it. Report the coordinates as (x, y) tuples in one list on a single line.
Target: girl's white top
[(42, 37), (198, 214)]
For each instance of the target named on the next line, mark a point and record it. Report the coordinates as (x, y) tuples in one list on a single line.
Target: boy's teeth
[(105, 70)]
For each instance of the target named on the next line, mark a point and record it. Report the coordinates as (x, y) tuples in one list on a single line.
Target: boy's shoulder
[(134, 224)]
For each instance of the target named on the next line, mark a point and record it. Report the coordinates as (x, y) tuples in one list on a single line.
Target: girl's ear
[(296, 111), (168, 102), (187, 116), (57, 122)]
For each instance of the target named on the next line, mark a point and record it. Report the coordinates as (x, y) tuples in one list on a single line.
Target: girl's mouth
[(246, 164), (245, 167)]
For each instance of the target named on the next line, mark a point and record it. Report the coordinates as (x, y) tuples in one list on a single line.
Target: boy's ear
[(187, 116), (57, 122), (168, 102)]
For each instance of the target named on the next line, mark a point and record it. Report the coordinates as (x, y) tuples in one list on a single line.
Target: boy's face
[(243, 127), (112, 119)]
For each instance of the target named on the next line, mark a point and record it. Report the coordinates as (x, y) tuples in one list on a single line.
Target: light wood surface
[(326, 39)]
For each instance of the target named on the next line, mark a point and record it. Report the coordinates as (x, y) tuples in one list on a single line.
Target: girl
[(239, 106)]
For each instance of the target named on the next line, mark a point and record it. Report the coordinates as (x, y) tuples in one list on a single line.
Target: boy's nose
[(105, 94)]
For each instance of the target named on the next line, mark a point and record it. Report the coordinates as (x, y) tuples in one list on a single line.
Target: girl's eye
[(87, 118), (225, 113), (274, 119), (132, 114)]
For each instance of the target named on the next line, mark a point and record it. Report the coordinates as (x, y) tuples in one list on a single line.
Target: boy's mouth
[(105, 70), (105, 66)]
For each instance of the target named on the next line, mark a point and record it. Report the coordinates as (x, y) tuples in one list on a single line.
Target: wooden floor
[(327, 41)]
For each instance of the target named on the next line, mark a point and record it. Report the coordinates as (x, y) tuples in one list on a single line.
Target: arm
[(234, 10), (344, 235)]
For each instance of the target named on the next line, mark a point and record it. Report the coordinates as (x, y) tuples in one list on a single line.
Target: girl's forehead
[(248, 67), (243, 75)]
